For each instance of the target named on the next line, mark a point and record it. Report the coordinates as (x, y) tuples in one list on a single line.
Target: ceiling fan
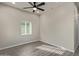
[(35, 6)]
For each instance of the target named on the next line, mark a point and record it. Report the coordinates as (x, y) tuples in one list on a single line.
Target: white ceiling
[(47, 6)]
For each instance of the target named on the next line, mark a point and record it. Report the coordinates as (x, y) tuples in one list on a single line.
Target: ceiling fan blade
[(30, 3), (27, 7), (43, 3), (40, 9)]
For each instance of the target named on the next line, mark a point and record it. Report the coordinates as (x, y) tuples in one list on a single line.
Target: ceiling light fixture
[(34, 8)]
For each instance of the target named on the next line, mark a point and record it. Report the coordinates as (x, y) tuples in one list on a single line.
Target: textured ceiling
[(47, 6)]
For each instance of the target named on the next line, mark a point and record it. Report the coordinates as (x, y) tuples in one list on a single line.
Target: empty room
[(39, 29)]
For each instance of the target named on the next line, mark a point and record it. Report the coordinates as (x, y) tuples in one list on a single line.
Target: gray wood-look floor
[(29, 50)]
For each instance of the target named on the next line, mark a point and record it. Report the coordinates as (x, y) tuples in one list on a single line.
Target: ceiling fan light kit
[(34, 8)]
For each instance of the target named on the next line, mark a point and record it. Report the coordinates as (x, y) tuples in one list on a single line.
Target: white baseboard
[(18, 44), (60, 47)]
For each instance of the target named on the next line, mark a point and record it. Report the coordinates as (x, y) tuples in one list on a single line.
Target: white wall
[(10, 19), (57, 26)]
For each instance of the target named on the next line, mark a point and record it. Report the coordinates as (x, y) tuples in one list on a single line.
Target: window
[(26, 28)]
